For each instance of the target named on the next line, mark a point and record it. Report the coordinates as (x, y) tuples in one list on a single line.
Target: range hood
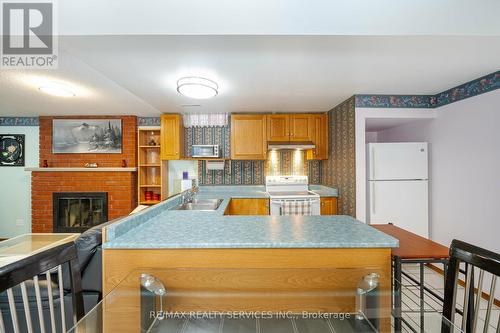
[(290, 145)]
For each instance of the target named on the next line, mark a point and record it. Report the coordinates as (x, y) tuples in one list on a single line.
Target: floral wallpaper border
[(148, 121), (469, 89), (472, 88), (19, 121), (394, 101)]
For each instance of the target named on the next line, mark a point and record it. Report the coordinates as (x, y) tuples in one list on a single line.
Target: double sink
[(200, 204)]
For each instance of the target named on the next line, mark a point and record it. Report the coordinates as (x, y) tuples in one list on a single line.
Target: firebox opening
[(79, 211)]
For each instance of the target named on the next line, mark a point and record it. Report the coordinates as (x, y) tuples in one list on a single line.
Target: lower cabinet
[(247, 207), (328, 206)]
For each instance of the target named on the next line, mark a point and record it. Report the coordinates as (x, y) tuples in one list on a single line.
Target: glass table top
[(143, 302), (26, 245)]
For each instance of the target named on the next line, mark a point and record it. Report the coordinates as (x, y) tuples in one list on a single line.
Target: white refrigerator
[(397, 190)]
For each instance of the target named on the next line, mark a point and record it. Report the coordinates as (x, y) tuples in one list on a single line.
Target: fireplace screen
[(79, 211)]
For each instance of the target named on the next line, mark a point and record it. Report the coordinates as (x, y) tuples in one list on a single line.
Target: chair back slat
[(13, 310), (490, 302), (485, 263), (2, 326), (26, 305), (38, 296), (61, 291), (478, 299), (468, 278), (51, 302)]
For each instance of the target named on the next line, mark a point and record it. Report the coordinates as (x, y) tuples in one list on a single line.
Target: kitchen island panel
[(299, 279)]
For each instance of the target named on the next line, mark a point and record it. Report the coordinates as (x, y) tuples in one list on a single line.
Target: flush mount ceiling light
[(197, 87), (56, 89)]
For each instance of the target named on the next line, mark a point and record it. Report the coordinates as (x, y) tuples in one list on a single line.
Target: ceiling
[(136, 74), (279, 17)]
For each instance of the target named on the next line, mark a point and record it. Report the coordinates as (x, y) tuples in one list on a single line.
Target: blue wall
[(15, 196)]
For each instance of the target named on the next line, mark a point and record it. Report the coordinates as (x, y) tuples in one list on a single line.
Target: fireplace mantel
[(80, 169)]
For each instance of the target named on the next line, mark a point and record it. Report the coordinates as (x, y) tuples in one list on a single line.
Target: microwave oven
[(205, 151)]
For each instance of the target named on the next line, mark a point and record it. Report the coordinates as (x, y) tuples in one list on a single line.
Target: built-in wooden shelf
[(151, 169), (151, 202)]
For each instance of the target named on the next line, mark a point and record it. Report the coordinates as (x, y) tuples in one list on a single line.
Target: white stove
[(290, 195)]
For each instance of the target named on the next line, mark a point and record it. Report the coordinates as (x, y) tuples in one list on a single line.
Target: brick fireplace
[(119, 185)]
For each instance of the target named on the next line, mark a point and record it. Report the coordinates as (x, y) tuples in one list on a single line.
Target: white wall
[(361, 114), (464, 169), (175, 169), (15, 196)]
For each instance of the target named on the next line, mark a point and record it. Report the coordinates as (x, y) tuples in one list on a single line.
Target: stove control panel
[(287, 180)]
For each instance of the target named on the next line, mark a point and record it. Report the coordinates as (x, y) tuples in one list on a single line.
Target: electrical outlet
[(19, 222)]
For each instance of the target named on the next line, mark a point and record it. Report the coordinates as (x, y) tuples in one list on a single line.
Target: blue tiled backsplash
[(245, 172)]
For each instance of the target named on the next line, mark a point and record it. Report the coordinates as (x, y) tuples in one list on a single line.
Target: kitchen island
[(294, 263)]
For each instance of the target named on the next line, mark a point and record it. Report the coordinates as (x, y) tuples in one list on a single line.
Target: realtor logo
[(28, 36)]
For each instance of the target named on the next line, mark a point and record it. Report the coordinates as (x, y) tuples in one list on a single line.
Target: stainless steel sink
[(200, 204)]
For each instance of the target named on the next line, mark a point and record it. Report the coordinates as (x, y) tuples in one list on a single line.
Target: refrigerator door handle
[(372, 196), (372, 157)]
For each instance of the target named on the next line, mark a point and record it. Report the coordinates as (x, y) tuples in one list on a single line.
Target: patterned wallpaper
[(148, 121), (340, 169), (234, 173), (394, 101), (212, 135), (245, 172), (472, 88), (475, 87), (19, 121)]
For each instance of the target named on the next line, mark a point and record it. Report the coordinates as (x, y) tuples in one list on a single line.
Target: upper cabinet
[(290, 127), (320, 137), (301, 127), (278, 127), (172, 137), (248, 137)]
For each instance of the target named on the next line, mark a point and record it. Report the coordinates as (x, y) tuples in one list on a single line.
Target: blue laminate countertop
[(260, 191), (158, 227), (324, 191)]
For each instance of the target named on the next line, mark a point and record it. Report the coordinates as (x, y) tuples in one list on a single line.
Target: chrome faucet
[(190, 195)]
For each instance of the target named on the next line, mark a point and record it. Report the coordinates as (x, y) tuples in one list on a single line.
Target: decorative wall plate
[(11, 149)]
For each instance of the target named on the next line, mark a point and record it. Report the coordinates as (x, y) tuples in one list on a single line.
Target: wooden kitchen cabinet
[(247, 207), (328, 206), (172, 137), (320, 137), (290, 127), (248, 137), (301, 127), (278, 127)]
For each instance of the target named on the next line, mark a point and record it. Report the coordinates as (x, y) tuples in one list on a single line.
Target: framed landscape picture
[(87, 136), (11, 149)]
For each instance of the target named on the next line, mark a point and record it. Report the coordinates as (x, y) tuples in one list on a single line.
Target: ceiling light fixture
[(56, 89), (197, 87)]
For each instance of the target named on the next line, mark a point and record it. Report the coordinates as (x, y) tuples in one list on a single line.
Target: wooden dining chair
[(473, 263), (32, 294)]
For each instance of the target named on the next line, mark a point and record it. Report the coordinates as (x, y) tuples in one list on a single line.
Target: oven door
[(277, 204)]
